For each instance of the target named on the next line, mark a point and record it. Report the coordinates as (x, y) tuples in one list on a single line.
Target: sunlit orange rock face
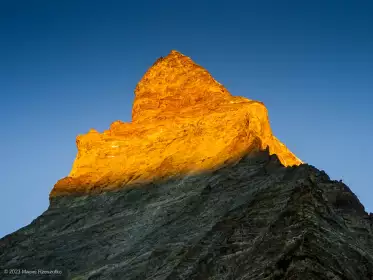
[(183, 121)]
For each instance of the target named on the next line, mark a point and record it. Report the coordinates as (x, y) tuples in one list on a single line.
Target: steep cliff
[(183, 121), (253, 220), (195, 187)]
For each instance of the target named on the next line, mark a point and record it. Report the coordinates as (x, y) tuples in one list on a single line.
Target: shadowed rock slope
[(254, 219)]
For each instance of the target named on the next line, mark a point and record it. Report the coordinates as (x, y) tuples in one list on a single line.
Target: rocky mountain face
[(196, 187), (183, 121), (255, 219)]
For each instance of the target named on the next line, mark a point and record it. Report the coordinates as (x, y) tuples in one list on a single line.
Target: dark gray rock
[(254, 220)]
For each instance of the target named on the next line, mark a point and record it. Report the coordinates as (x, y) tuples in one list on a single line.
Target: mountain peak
[(172, 83), (183, 121), (175, 52), (251, 218)]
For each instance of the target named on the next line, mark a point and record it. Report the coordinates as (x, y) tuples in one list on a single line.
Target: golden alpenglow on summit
[(183, 121)]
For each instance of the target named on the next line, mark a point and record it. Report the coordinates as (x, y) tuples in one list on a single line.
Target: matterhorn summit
[(183, 122), (195, 187)]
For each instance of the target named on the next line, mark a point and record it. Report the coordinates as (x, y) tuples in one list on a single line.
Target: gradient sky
[(68, 66)]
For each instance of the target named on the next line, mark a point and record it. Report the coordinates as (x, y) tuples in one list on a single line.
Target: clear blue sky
[(68, 66)]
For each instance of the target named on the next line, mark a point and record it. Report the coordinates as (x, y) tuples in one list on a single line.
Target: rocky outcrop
[(183, 122), (199, 189), (254, 219)]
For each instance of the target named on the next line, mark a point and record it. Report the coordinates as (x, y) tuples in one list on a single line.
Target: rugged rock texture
[(200, 189), (254, 219), (175, 83), (183, 122)]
